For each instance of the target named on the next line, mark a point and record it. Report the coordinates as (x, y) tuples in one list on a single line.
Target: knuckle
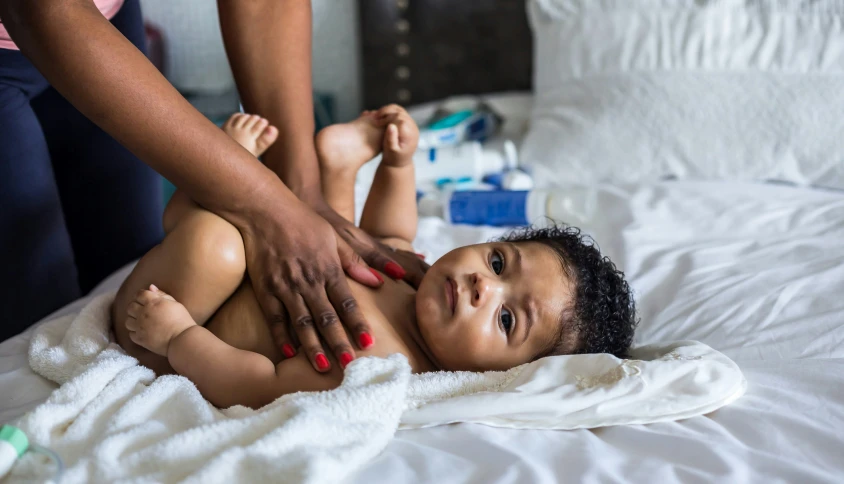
[(349, 305), (310, 276), (328, 319), (275, 282), (304, 322)]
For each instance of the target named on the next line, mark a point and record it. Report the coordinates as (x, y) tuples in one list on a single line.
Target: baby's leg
[(252, 132), (342, 149), (201, 263)]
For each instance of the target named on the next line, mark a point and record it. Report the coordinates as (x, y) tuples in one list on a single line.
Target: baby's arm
[(224, 375), (229, 376), (390, 210)]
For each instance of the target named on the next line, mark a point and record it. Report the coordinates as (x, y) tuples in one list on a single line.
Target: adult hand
[(292, 260), (351, 259), (356, 245)]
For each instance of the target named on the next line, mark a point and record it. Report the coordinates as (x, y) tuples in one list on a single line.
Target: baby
[(492, 306)]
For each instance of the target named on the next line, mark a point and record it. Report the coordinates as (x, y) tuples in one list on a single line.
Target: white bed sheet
[(756, 271)]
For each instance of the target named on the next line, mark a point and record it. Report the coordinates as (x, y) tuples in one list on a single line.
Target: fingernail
[(421, 256), (394, 270), (376, 274), (153, 288), (345, 359), (365, 340), (288, 351), (321, 361)]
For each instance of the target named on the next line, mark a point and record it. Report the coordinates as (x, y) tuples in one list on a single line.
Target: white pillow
[(633, 90)]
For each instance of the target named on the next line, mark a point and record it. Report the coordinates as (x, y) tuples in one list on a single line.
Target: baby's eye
[(506, 320), (496, 261)]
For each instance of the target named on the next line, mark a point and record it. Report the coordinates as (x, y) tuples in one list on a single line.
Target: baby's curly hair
[(603, 316)]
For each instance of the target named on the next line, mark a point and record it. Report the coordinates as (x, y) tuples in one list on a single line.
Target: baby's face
[(492, 306)]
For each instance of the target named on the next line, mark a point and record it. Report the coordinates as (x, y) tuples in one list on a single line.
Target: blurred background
[(187, 46)]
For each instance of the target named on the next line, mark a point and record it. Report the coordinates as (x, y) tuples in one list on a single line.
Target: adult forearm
[(111, 82), (269, 48)]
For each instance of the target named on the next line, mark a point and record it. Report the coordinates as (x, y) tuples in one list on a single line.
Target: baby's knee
[(210, 241), (179, 205)]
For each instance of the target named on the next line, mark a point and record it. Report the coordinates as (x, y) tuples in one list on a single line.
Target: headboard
[(422, 50)]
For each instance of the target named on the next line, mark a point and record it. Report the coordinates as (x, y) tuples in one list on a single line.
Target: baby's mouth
[(451, 294)]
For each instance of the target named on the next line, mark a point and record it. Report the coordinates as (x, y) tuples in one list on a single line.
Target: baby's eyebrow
[(518, 254), (530, 304)]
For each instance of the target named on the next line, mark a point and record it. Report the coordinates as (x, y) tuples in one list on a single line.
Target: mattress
[(754, 270)]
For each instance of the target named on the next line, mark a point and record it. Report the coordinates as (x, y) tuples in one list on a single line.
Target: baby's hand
[(154, 319), (400, 137)]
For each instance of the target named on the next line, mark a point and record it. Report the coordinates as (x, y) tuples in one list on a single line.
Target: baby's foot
[(155, 318), (347, 146), (252, 132), (401, 135)]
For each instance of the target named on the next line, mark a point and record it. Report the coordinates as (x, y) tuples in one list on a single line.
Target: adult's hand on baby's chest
[(357, 247), (298, 279)]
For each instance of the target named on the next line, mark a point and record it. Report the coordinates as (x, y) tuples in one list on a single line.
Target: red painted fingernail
[(345, 359), (421, 256), (321, 361), (288, 351), (376, 274), (394, 270), (365, 340)]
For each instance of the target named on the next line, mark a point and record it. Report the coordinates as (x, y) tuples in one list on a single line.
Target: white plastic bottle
[(455, 163), (466, 160)]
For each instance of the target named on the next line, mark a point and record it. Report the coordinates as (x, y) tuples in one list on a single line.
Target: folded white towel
[(111, 419)]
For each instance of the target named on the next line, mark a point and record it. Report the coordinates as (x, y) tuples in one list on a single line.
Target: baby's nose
[(482, 287)]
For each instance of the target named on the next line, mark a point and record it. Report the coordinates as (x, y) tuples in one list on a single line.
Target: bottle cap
[(516, 180), (505, 158), (15, 437)]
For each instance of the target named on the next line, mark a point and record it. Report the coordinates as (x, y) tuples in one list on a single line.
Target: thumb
[(391, 139), (355, 266)]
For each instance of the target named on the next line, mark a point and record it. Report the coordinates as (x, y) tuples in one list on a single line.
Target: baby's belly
[(241, 323)]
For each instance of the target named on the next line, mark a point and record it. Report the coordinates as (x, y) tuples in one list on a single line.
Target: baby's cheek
[(470, 351)]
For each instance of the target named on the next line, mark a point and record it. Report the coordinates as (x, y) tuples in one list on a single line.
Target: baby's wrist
[(179, 334), (397, 161)]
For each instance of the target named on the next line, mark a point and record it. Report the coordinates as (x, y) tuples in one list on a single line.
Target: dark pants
[(75, 205)]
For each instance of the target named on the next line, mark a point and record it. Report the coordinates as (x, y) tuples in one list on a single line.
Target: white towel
[(112, 419)]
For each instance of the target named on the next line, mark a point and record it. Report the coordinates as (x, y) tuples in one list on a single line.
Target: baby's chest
[(378, 307)]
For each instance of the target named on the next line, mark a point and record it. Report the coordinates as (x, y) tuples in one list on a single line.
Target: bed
[(755, 270)]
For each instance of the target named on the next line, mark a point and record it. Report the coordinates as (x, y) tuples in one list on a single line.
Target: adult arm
[(291, 251), (269, 48)]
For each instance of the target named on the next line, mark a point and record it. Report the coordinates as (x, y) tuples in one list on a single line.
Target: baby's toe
[(258, 125), (243, 121), (269, 135), (230, 123), (251, 119)]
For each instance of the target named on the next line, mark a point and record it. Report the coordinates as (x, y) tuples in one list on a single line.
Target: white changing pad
[(110, 419)]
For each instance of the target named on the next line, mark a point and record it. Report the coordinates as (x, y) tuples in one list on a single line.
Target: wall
[(196, 59), (336, 54)]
